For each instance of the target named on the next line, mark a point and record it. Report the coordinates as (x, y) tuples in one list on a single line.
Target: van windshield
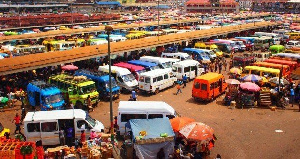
[(113, 83), (90, 120), (52, 99), (167, 65), (86, 89), (128, 77)]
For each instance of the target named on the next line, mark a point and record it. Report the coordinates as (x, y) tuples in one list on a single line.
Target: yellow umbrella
[(235, 70)]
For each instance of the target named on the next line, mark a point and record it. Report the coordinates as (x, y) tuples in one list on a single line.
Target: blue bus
[(196, 54), (147, 65), (102, 83), (44, 96)]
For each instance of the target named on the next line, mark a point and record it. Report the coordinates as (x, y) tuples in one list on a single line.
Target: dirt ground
[(242, 133)]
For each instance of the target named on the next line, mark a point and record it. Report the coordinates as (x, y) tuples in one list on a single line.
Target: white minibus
[(45, 125), (179, 55), (190, 68), (123, 76), (142, 110), (162, 62), (156, 80)]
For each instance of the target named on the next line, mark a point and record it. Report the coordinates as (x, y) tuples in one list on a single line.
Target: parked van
[(261, 71), (147, 65), (102, 83), (123, 76), (142, 110), (44, 96), (285, 69), (211, 54), (156, 80), (45, 125), (190, 68), (161, 62), (134, 69), (179, 55), (209, 46), (196, 54), (208, 86)]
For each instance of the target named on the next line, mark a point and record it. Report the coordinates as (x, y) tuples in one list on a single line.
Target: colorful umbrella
[(197, 131), (232, 81), (179, 122), (69, 67), (250, 86), (251, 78), (276, 81), (235, 70)]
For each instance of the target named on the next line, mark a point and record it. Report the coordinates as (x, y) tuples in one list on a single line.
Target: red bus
[(292, 64), (134, 69)]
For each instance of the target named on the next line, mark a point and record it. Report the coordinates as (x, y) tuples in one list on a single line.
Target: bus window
[(255, 72), (197, 85), (154, 79), (246, 71), (179, 70), (152, 116), (127, 117), (141, 79), (49, 126), (187, 69), (147, 80), (33, 127), (203, 87), (166, 76), (160, 78)]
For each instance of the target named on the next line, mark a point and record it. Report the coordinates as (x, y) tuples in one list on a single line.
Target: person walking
[(184, 80), (69, 136), (17, 120), (292, 96), (178, 89), (211, 66), (220, 67), (62, 138), (133, 95), (216, 65), (89, 103), (225, 65), (82, 137)]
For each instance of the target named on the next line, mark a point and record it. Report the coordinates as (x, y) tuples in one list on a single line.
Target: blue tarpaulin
[(154, 128), (112, 3), (151, 127)]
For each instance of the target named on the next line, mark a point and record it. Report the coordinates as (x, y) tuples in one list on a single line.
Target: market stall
[(150, 138)]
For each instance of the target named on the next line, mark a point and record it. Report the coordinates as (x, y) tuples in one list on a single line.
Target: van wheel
[(79, 105), (156, 91), (38, 108)]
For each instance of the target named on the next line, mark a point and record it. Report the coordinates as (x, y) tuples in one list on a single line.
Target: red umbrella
[(197, 131), (250, 86), (179, 122), (69, 67)]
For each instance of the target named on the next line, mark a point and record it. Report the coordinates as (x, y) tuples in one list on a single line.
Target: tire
[(156, 91), (79, 105)]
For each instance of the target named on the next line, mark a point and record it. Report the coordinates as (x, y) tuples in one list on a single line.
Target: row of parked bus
[(281, 63), (149, 74)]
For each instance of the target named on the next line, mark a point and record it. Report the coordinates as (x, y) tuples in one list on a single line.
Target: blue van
[(102, 83), (196, 54), (147, 65), (44, 96)]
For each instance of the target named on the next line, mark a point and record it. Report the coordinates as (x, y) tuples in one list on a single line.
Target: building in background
[(286, 6), (245, 4), (212, 6)]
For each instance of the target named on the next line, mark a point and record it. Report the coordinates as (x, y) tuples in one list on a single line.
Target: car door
[(50, 132)]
